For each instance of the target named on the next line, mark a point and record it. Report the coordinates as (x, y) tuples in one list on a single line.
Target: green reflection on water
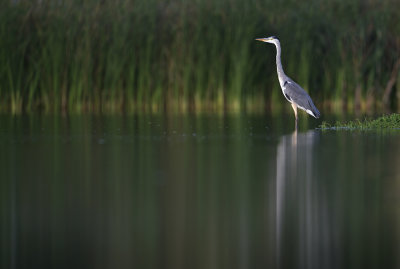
[(195, 191)]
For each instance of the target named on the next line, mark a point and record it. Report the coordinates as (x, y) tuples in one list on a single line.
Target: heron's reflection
[(302, 224)]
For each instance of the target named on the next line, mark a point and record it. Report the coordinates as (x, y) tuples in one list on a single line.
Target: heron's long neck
[(281, 74)]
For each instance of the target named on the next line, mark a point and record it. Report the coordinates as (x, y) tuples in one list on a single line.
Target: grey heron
[(292, 91)]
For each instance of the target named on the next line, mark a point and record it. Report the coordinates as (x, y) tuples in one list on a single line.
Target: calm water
[(205, 191)]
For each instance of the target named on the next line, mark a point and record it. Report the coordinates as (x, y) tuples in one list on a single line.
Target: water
[(205, 191)]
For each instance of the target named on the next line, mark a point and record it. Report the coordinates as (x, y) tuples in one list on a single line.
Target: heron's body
[(292, 91)]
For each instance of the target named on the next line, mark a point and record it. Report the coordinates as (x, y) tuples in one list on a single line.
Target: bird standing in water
[(292, 91)]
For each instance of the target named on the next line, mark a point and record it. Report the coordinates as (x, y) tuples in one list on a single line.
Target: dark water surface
[(196, 191)]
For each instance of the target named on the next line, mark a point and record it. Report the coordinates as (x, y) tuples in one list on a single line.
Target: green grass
[(391, 121), (181, 55)]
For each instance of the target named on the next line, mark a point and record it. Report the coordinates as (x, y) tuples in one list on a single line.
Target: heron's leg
[(294, 106)]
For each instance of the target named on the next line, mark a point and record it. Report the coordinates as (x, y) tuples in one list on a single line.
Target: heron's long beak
[(263, 39)]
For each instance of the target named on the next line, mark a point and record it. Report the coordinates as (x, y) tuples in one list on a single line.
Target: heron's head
[(271, 39)]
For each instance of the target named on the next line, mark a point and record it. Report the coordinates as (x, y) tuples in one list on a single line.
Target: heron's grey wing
[(300, 97)]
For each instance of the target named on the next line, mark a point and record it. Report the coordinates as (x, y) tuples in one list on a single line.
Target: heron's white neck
[(281, 74)]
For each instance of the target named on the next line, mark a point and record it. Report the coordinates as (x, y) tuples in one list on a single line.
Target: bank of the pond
[(391, 121)]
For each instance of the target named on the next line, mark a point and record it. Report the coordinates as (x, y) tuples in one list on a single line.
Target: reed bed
[(196, 55)]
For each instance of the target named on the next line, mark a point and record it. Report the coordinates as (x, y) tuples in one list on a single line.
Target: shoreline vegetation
[(385, 122), (59, 55)]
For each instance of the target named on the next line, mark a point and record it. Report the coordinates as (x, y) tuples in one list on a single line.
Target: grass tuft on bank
[(391, 121)]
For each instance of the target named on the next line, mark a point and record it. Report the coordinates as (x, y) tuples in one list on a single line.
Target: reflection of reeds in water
[(114, 55), (153, 191)]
